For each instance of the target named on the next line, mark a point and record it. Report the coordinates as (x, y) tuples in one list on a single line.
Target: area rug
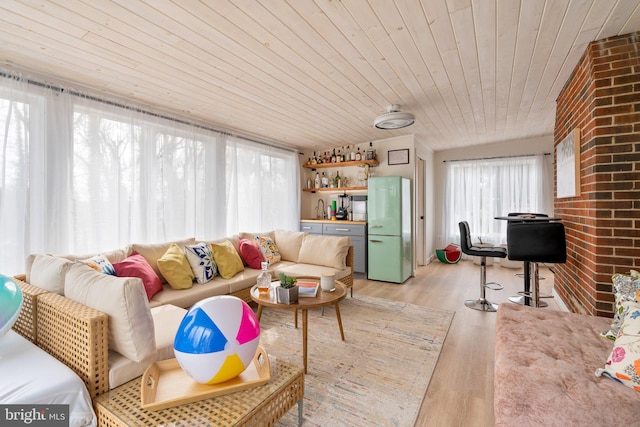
[(376, 377)]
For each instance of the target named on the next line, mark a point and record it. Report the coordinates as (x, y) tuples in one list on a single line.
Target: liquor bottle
[(333, 156), (325, 181), (264, 279), (317, 182), (371, 153), (353, 154), (314, 159), (339, 156), (338, 180), (358, 155)]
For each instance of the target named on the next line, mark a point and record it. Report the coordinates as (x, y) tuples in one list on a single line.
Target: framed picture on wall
[(398, 157), (568, 165)]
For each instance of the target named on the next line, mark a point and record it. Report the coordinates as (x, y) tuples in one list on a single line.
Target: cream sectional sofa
[(141, 331), (303, 255)]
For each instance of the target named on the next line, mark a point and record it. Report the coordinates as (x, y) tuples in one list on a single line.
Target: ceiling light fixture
[(394, 119)]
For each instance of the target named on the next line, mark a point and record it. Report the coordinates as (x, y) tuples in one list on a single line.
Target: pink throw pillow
[(251, 254), (136, 266)]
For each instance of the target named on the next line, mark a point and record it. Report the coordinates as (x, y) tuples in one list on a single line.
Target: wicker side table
[(259, 406)]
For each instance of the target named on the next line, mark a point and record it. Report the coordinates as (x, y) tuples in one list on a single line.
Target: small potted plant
[(288, 290)]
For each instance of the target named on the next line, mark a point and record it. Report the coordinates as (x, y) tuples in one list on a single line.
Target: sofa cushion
[(243, 280), (100, 263), (48, 272), (289, 243), (227, 259), (175, 267), (330, 251), (137, 266), (153, 251), (310, 270), (166, 319), (251, 254), (623, 364), (124, 300), (186, 298), (113, 256), (269, 249)]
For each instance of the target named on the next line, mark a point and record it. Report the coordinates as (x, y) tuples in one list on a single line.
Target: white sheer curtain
[(79, 175), (479, 190)]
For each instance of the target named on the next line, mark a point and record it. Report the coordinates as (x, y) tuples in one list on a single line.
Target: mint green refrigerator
[(389, 242)]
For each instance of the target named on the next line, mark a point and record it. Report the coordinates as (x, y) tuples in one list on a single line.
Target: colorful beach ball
[(10, 303), (217, 339)]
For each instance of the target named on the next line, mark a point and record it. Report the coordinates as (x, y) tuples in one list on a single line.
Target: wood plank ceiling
[(315, 73)]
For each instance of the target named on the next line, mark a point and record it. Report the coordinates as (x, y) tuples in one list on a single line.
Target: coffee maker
[(358, 208), (343, 211)]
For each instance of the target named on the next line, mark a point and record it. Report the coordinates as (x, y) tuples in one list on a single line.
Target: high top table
[(527, 264)]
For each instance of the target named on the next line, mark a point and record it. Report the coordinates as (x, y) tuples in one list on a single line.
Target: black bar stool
[(522, 297), (535, 242), (483, 252)]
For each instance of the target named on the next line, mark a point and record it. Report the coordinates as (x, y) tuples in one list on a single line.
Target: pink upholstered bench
[(545, 365)]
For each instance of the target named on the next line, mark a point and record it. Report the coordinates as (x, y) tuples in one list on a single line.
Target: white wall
[(537, 145)]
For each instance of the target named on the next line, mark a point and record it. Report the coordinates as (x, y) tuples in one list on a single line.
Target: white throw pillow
[(330, 251), (48, 272), (289, 244), (200, 259), (124, 299)]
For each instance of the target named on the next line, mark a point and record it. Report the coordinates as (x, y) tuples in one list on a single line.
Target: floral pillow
[(100, 263), (269, 249), (200, 259), (623, 364), (624, 288)]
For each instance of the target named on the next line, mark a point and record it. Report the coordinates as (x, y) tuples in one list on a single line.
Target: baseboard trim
[(561, 304)]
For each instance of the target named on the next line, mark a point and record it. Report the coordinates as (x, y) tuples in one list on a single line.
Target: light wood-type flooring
[(461, 388)]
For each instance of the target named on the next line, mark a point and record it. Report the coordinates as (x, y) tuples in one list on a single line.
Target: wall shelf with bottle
[(334, 189), (314, 166)]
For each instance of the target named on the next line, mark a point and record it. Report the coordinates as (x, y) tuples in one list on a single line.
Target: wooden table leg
[(339, 320), (259, 313), (305, 317), (296, 318)]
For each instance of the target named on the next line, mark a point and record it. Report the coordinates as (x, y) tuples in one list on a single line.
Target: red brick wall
[(602, 98)]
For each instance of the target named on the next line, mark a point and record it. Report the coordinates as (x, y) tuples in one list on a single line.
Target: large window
[(79, 176), (477, 191)]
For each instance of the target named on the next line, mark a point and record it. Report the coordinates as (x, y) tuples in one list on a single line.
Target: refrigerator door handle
[(375, 241), (375, 226)]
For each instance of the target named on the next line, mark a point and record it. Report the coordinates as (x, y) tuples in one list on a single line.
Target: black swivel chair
[(483, 252), (536, 242)]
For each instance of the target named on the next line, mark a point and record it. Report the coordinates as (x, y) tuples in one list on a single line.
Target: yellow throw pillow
[(227, 259), (175, 267)]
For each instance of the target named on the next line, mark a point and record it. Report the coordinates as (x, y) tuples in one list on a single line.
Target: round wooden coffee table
[(322, 299)]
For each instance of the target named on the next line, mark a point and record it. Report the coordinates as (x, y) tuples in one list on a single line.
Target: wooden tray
[(165, 384)]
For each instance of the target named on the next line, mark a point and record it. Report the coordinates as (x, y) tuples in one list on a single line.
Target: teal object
[(390, 257), (10, 303)]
